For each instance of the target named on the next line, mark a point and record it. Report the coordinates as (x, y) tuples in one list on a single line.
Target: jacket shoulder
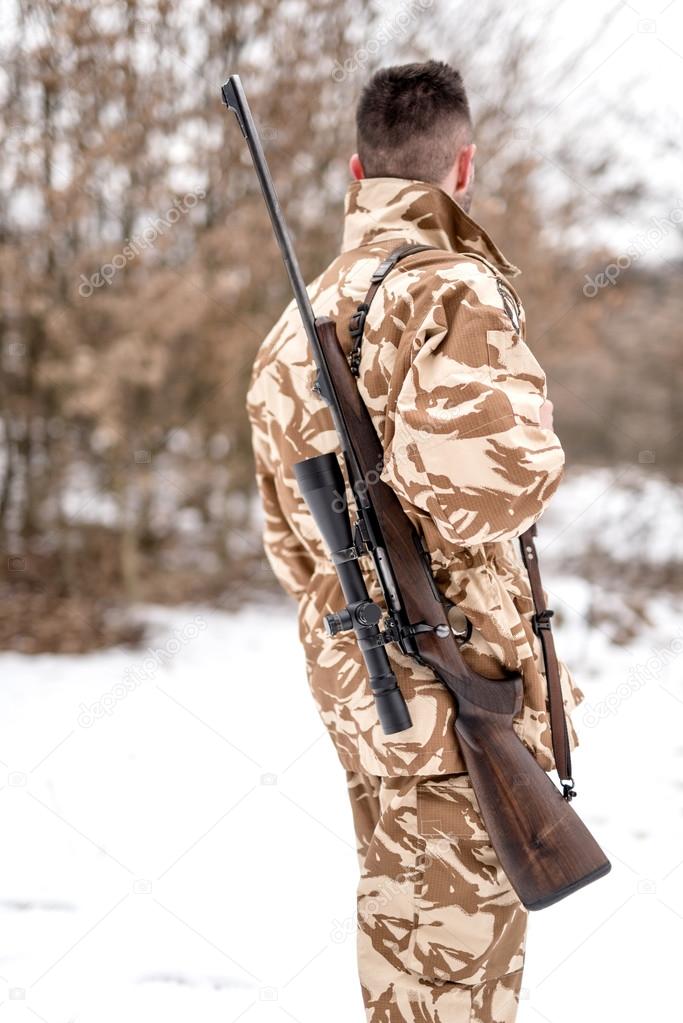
[(444, 266), (430, 280)]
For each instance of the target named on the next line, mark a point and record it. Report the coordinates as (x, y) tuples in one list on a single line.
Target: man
[(459, 403)]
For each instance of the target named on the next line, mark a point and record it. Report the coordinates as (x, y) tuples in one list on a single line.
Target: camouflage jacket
[(454, 392)]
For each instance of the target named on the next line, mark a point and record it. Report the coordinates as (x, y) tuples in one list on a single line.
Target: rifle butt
[(543, 845)]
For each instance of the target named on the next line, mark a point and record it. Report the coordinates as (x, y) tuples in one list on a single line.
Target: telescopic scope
[(322, 486)]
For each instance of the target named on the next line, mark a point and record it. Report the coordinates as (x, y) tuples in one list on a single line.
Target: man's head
[(413, 121)]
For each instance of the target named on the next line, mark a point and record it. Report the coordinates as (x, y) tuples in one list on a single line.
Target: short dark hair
[(411, 120)]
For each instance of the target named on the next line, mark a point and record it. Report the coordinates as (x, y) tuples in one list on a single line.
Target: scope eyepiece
[(392, 710)]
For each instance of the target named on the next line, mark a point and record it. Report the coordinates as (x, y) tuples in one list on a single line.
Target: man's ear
[(465, 168), (356, 167)]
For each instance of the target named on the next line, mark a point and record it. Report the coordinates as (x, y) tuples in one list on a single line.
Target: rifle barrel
[(236, 100)]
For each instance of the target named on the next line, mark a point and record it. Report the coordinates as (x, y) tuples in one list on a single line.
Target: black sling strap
[(542, 614), (357, 322)]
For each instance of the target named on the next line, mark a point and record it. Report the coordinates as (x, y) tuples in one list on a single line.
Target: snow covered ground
[(176, 842)]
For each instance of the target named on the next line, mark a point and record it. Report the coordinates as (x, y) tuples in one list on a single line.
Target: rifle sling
[(357, 321), (541, 623), (542, 614)]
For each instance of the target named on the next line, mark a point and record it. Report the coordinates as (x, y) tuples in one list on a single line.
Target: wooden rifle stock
[(544, 847)]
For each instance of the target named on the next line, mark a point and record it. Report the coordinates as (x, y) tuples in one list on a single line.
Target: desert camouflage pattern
[(440, 931), (454, 392)]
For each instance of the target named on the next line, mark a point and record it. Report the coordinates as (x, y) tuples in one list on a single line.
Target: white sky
[(631, 83)]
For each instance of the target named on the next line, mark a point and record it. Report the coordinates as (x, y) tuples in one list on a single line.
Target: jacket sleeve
[(465, 444), (292, 565)]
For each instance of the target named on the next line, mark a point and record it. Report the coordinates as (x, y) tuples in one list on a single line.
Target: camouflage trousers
[(440, 931)]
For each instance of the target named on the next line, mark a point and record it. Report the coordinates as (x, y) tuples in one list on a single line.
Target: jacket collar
[(382, 209)]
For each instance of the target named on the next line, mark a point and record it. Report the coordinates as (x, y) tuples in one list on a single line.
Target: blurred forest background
[(138, 273)]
